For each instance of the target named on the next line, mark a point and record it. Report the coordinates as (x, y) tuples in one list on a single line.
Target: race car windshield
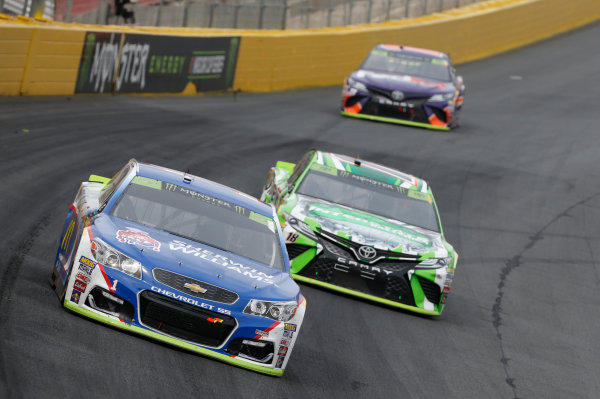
[(403, 64), (200, 217), (373, 196)]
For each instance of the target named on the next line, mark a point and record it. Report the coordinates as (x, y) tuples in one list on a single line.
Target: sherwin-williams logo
[(220, 260)]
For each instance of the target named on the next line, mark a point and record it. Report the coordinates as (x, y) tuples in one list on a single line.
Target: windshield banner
[(137, 63)]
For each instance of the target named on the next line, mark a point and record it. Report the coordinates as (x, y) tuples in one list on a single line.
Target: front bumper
[(393, 282), (158, 311), (412, 112), (163, 338)]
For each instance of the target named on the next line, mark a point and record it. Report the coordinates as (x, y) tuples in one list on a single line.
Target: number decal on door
[(292, 237)]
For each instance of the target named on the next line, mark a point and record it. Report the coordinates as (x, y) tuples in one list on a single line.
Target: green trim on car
[(182, 344), (418, 293), (303, 259), (428, 274), (363, 295), (393, 120)]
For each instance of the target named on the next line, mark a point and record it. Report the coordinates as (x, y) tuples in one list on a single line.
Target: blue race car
[(182, 260)]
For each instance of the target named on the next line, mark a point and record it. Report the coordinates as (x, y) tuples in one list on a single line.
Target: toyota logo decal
[(397, 95), (366, 252)]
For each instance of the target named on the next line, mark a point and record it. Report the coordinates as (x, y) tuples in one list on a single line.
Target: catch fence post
[(211, 13), (261, 11), (351, 4), (284, 16), (186, 6), (99, 12), (236, 11), (160, 4), (389, 9), (69, 7), (308, 10)]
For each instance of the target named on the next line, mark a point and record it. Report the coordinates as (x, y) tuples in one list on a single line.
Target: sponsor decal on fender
[(290, 327), (280, 362), (75, 295), (282, 351), (79, 285), (134, 236), (88, 262), (288, 334)]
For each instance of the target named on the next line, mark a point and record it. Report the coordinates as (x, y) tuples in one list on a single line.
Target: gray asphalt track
[(518, 190)]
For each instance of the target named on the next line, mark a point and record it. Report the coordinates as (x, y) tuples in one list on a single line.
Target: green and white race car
[(363, 229)]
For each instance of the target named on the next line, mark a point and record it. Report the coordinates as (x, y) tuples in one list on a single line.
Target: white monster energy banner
[(135, 63)]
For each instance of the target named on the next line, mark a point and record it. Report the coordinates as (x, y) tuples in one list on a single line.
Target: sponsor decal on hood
[(402, 82), (221, 260), (367, 229)]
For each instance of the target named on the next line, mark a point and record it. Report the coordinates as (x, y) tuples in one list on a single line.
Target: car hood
[(368, 229), (405, 83), (159, 249)]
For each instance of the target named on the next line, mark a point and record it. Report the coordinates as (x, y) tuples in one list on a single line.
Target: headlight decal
[(441, 97), (274, 310), (435, 263), (108, 256), (352, 83)]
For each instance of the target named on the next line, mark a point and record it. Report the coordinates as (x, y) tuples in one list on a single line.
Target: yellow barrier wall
[(37, 58), (14, 45), (276, 62), (53, 61)]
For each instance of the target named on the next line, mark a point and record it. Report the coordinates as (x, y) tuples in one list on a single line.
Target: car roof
[(371, 170), (205, 186), (417, 51)]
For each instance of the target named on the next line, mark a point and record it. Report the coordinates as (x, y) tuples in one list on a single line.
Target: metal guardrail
[(237, 14)]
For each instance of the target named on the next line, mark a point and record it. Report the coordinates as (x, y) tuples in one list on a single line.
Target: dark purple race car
[(406, 85)]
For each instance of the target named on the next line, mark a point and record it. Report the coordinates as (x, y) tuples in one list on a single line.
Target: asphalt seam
[(7, 282), (510, 265)]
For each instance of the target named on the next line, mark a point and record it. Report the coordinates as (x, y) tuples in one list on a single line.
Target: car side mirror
[(286, 166), (98, 179)]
